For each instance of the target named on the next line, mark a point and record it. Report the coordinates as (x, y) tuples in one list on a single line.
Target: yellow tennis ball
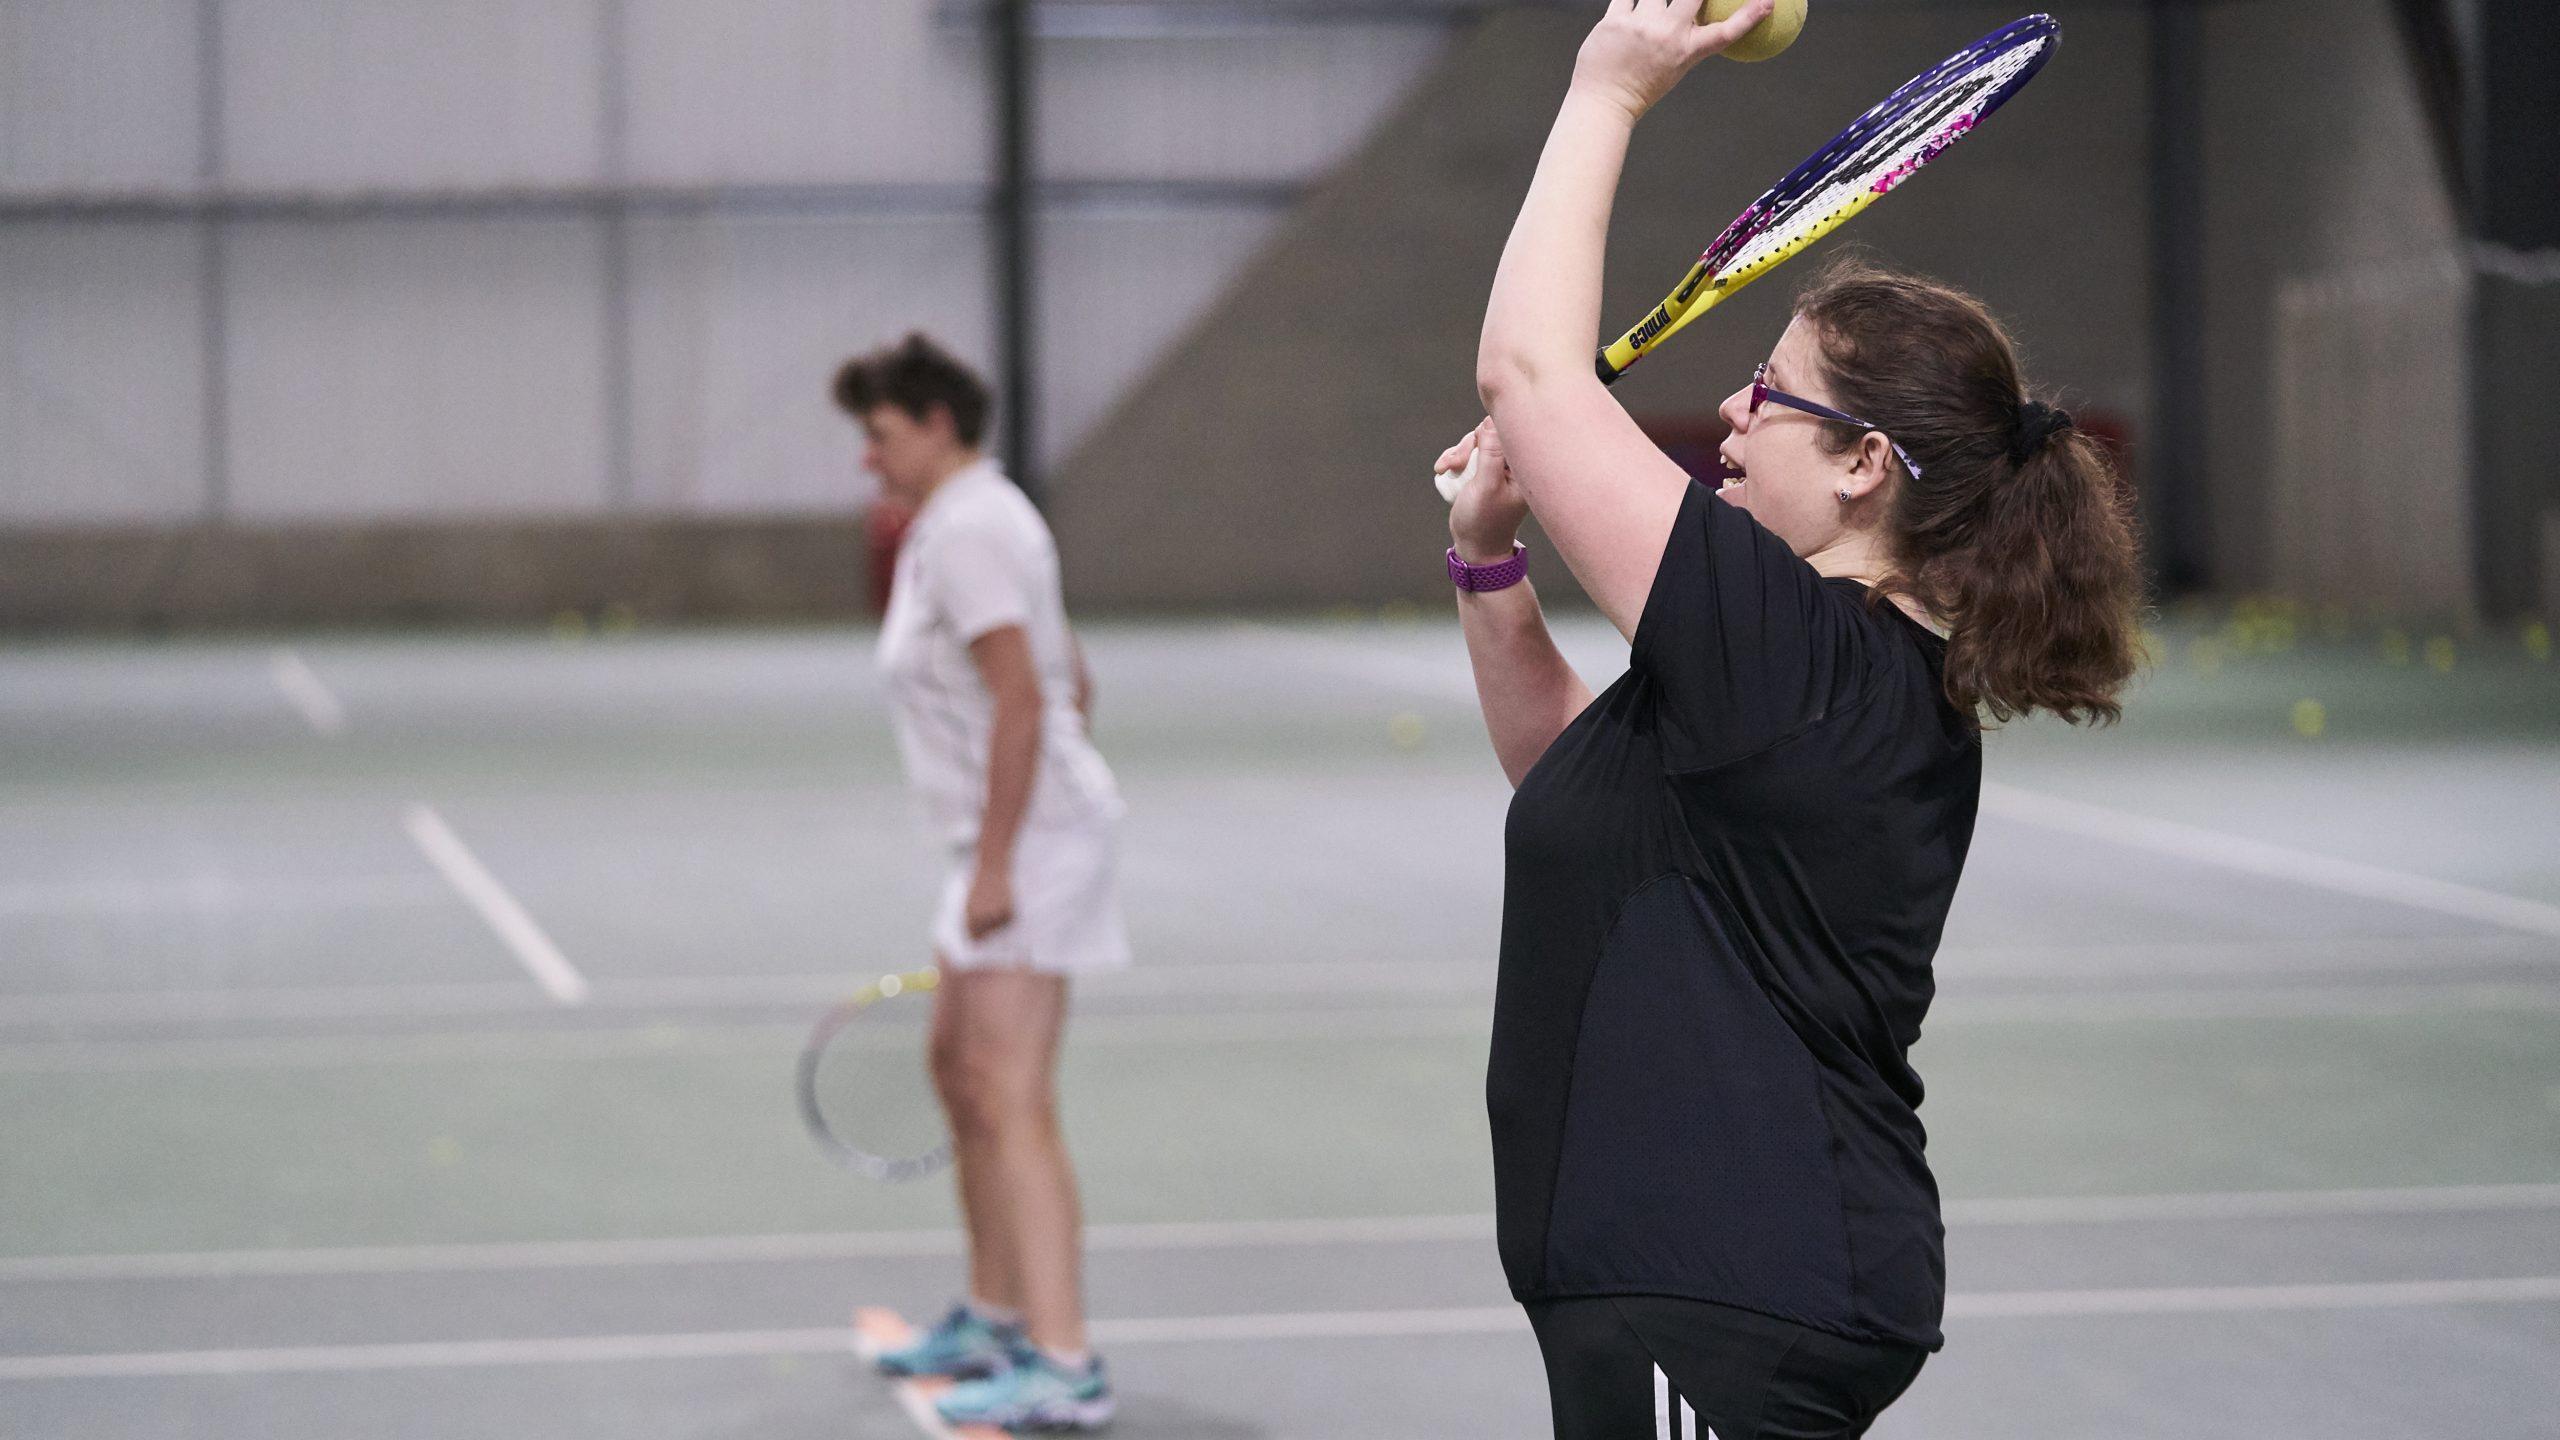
[(1767, 38)]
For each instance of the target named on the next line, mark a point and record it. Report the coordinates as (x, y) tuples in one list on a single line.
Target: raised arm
[(1602, 491)]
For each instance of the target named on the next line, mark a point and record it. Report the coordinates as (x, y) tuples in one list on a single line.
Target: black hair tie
[(2038, 423)]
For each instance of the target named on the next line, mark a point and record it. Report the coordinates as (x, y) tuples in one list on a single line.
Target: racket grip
[(1607, 372), (1450, 482)]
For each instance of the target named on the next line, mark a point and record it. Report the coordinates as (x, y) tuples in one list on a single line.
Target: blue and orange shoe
[(1032, 1392), (964, 1345)]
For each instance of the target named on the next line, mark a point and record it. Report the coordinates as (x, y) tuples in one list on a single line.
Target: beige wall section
[(1280, 453), (2323, 187)]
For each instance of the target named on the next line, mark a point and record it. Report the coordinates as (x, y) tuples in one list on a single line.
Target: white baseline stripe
[(97, 1057), (2168, 837), (1196, 1329), (1199, 1235), (305, 692), (2280, 862), (2251, 1205), (726, 1249), (425, 1355), (2223, 1299), (482, 892)]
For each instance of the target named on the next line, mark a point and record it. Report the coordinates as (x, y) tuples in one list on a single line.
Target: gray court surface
[(2244, 1078)]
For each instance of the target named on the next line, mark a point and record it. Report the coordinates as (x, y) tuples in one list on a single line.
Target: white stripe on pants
[(1668, 1425)]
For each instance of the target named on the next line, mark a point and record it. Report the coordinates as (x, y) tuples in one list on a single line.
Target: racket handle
[(1450, 482)]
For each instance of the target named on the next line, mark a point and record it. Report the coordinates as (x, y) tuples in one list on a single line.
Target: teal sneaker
[(963, 1346), (1033, 1392)]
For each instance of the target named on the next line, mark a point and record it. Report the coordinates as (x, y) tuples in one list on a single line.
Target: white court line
[(2279, 862), (2168, 837), (305, 692), (2235, 1299), (2168, 961), (482, 892), (728, 1249), (253, 1052), (207, 892), (1216, 1329), (94, 1056), (2251, 1205), (424, 1355), (1198, 1235)]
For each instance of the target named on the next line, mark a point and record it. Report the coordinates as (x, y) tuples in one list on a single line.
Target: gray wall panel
[(97, 94), (738, 324), (1123, 286), (803, 90), (370, 94), (404, 368), (2318, 163), (101, 381), (1275, 106)]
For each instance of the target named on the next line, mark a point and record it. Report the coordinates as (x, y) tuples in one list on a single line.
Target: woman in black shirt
[(1727, 874)]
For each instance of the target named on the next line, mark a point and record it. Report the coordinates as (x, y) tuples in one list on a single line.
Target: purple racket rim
[(2039, 30)]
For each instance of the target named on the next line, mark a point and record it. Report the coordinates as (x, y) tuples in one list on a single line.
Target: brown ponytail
[(2018, 532)]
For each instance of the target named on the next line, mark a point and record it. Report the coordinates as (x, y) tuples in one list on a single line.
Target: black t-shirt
[(1726, 880)]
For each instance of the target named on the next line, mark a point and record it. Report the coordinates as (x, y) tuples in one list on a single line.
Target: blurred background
[(375, 311), (441, 773)]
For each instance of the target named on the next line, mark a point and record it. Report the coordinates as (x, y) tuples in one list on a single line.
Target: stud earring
[(1844, 495)]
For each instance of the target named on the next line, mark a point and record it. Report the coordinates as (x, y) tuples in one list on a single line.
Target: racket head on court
[(864, 1088), (1861, 165)]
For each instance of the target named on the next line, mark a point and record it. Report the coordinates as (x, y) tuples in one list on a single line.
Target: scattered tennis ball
[(569, 627), (1407, 730), (2310, 719), (1768, 38), (2537, 641), (1399, 612), (2440, 654), (619, 619), (443, 1151), (2395, 647)]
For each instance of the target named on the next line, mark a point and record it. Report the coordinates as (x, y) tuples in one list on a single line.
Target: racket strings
[(1886, 147), (867, 1093)]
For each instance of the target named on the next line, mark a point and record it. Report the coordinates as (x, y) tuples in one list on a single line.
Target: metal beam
[(212, 269), (851, 201), (1013, 57), (2173, 453)]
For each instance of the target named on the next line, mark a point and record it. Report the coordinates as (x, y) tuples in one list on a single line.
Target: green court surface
[(2244, 1079)]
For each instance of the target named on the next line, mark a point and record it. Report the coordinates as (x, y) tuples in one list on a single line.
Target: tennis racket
[(864, 1091), (1861, 165)]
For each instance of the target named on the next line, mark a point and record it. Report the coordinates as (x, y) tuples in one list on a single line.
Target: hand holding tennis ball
[(1767, 38), (1636, 53)]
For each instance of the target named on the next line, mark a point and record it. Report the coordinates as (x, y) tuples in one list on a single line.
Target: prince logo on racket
[(1727, 873)]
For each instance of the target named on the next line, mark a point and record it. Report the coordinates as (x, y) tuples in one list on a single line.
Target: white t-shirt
[(977, 558)]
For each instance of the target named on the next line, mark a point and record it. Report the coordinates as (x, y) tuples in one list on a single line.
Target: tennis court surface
[(396, 1040)]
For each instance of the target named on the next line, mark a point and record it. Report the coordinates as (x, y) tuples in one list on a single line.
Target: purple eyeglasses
[(1761, 394)]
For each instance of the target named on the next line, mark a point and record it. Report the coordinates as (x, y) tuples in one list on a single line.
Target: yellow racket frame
[(1699, 292)]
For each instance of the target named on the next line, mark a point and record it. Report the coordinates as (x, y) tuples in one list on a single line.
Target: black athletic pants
[(1633, 1367)]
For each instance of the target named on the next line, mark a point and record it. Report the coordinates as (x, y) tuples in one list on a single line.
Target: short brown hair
[(916, 375), (2027, 550)]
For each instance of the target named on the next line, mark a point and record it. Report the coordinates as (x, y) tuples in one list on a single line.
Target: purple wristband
[(1484, 579)]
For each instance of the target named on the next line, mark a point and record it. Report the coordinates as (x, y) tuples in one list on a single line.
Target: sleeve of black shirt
[(1741, 640)]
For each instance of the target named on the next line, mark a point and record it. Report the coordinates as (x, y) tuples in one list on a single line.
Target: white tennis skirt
[(1066, 906)]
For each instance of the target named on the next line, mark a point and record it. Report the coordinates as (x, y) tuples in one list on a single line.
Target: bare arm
[(1604, 493), (1084, 679), (1527, 690), (1003, 658)]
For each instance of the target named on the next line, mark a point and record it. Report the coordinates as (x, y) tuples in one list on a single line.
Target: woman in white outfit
[(991, 697)]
